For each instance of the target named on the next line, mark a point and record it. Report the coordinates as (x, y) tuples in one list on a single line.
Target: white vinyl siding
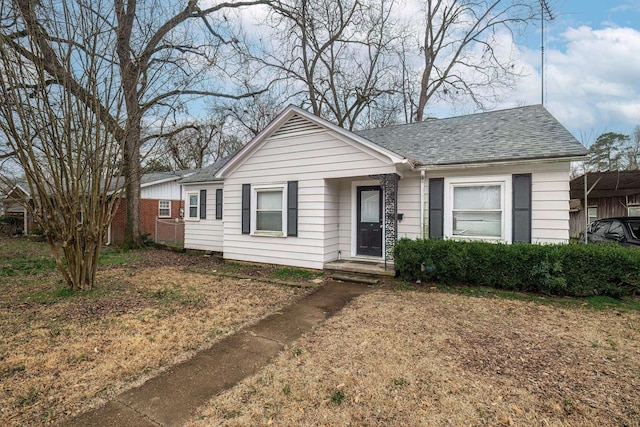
[(345, 217), (409, 206), (313, 156), (331, 220), (162, 191), (204, 234), (318, 161), (550, 203)]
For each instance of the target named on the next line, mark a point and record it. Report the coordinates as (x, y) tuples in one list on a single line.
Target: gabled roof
[(522, 133), (290, 112), (606, 184), (205, 174), (22, 186)]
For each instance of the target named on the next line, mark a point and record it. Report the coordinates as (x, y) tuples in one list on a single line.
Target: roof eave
[(161, 181), (514, 162), (209, 181)]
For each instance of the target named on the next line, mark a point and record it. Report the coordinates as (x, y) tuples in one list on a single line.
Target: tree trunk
[(132, 173)]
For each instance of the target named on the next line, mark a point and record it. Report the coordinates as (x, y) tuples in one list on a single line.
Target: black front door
[(369, 221)]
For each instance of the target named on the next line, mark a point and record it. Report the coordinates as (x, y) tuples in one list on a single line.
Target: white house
[(305, 192)]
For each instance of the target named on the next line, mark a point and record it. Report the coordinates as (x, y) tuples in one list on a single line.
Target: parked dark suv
[(624, 230)]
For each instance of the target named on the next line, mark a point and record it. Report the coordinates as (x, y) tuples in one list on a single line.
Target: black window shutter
[(521, 184), (292, 208), (219, 203), (203, 204), (436, 208), (246, 208)]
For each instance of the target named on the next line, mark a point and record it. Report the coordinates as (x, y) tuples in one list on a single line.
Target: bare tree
[(163, 54), (247, 117), (194, 146), (458, 51), (336, 53), (61, 142), (632, 152)]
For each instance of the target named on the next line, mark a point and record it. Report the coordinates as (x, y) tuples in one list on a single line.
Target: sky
[(592, 67)]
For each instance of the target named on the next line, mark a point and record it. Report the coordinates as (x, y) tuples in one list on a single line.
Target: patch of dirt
[(430, 358), (74, 352)]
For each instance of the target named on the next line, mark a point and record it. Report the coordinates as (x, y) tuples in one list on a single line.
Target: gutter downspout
[(422, 179)]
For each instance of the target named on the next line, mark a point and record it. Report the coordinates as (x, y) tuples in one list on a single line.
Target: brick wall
[(148, 215)]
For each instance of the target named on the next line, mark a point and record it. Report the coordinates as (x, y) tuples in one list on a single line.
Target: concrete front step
[(367, 268)]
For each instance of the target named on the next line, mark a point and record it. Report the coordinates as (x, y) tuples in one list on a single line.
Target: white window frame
[(160, 208), (633, 210), (591, 218), (504, 182), (255, 189), (188, 206)]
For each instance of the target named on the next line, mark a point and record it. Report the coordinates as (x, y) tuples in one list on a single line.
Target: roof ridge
[(434, 119)]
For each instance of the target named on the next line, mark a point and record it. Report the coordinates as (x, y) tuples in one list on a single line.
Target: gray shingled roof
[(151, 177), (204, 174), (514, 134)]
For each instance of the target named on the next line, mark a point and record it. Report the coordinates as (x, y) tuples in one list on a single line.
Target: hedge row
[(573, 270)]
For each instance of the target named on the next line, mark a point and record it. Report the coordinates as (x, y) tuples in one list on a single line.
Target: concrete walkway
[(172, 398)]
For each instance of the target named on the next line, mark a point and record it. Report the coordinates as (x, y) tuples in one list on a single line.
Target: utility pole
[(544, 7)]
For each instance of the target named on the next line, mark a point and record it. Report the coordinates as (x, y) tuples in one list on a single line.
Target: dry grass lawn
[(61, 354), (414, 358)]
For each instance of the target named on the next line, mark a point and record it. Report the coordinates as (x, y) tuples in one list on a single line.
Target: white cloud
[(592, 79)]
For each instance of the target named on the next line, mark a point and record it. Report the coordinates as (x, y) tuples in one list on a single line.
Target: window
[(476, 208), (269, 210), (592, 214), (164, 208), (633, 211), (193, 205), (477, 211), (600, 227), (616, 231)]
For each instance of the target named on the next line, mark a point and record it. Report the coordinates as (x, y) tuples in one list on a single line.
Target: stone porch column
[(389, 185)]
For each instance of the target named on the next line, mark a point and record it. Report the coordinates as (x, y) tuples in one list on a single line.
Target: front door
[(369, 221)]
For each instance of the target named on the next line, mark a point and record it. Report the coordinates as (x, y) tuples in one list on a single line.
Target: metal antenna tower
[(544, 7)]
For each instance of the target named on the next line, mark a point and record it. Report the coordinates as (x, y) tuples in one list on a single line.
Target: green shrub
[(572, 270)]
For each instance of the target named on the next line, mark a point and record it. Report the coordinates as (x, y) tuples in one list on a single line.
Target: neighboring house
[(305, 192), (610, 194), (13, 205), (160, 209)]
